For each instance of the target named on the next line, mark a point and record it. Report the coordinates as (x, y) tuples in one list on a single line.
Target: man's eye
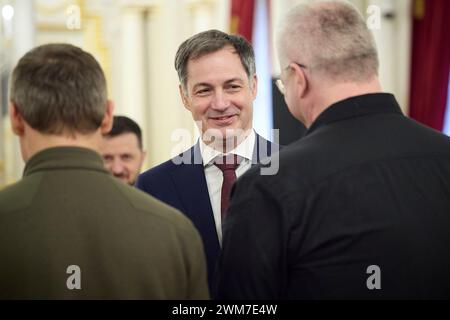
[(202, 92), (126, 157), (233, 88)]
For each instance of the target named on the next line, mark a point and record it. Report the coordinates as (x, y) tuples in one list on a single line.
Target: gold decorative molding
[(419, 9), (196, 4), (140, 5), (52, 27), (59, 13), (94, 39), (2, 175), (46, 9)]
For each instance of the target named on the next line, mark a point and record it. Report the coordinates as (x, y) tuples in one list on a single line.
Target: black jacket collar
[(356, 107)]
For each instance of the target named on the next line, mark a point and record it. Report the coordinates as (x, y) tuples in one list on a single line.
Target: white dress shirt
[(214, 176)]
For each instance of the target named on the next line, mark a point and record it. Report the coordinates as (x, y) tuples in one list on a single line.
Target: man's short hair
[(121, 125), (330, 37), (211, 41), (59, 89)]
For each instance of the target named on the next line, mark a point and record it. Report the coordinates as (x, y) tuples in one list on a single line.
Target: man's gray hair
[(59, 89), (330, 37), (211, 41)]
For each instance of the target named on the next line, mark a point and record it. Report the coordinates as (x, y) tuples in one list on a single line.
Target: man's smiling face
[(219, 93)]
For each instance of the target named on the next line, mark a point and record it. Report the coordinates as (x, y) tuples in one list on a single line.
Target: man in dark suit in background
[(69, 229), (218, 85), (360, 207)]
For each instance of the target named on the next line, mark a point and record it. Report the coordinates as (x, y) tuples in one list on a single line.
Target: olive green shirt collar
[(63, 158)]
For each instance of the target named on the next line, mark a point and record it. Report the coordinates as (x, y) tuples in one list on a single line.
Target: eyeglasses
[(280, 84)]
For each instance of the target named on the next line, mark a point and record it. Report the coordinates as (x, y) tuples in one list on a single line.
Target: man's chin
[(224, 133), (219, 137), (123, 179), (132, 181)]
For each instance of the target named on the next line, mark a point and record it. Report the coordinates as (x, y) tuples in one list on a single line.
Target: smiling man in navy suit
[(218, 85)]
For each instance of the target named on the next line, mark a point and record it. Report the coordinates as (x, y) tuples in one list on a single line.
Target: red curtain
[(430, 62), (242, 18)]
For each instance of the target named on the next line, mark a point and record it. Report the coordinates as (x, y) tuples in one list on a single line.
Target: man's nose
[(220, 100), (117, 166)]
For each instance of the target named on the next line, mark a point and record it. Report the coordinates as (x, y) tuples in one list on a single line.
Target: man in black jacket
[(360, 207)]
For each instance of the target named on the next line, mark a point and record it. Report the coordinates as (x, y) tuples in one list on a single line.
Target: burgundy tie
[(228, 165)]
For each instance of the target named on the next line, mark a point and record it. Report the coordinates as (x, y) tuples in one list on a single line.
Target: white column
[(201, 16), (262, 107), (394, 47), (404, 47), (446, 128), (24, 34), (23, 41), (3, 53), (384, 37), (132, 97), (165, 114), (222, 15)]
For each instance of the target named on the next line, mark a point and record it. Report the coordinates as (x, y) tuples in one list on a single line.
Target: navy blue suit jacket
[(181, 183)]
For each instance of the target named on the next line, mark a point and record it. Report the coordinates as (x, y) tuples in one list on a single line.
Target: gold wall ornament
[(419, 9), (65, 15), (2, 174), (44, 8), (94, 39), (234, 25)]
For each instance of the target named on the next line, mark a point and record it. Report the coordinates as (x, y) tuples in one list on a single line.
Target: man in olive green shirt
[(69, 229)]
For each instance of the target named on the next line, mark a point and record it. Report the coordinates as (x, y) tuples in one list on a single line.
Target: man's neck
[(338, 92)]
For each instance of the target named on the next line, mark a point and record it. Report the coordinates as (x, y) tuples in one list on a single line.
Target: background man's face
[(123, 157), (219, 94)]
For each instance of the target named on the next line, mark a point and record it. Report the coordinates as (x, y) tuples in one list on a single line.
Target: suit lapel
[(190, 182)]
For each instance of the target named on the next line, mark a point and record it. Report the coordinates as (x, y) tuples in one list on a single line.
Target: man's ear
[(107, 121), (300, 79), (254, 86), (17, 121), (184, 97)]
